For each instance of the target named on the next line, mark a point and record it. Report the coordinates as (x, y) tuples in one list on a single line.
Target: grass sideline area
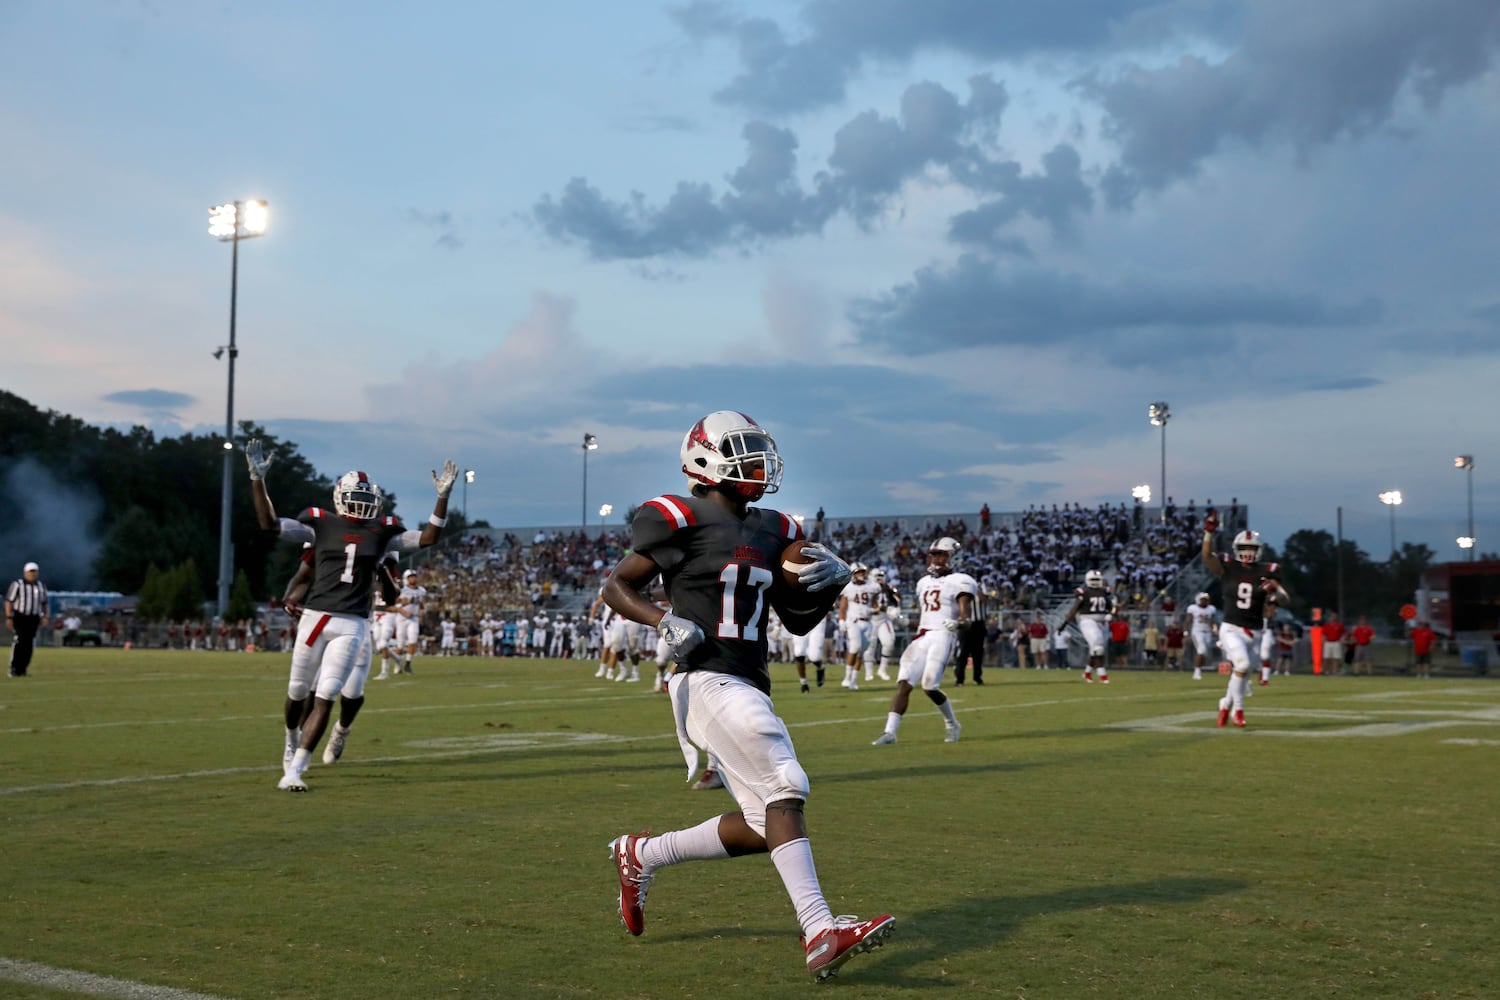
[(1080, 841)]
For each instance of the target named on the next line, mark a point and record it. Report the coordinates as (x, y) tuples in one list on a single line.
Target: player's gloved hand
[(954, 625), (258, 459), (444, 480), (680, 635), (292, 608), (825, 570), (894, 614), (1211, 521)]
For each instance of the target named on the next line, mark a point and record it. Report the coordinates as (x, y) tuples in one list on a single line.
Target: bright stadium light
[(468, 478), (230, 223), (1466, 463), (1160, 413), (1466, 542), (1141, 493), (1392, 499), (606, 509)]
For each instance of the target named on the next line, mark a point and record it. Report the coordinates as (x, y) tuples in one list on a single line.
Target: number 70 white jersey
[(937, 596)]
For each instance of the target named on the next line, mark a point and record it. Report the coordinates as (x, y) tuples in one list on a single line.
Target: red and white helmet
[(728, 447), (356, 498), (1247, 547), (944, 546)]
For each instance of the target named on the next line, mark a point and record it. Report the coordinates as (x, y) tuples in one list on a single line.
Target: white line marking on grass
[(1457, 741), (500, 743), (89, 984)]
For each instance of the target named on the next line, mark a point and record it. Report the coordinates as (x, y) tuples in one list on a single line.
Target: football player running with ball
[(722, 566), (947, 602), (1248, 584)]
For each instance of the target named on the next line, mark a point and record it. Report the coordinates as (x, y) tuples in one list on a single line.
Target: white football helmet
[(856, 568), (946, 549), (1203, 597), (1247, 547), (356, 498), (1093, 578), (878, 575), (728, 446)]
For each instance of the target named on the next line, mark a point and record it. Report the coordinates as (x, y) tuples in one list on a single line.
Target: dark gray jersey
[(718, 572), (346, 555), (1095, 601), (1245, 591)]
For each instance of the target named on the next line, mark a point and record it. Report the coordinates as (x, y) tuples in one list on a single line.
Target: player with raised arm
[(1248, 584), (1093, 608), (946, 599), (722, 565), (1203, 617), (348, 543)]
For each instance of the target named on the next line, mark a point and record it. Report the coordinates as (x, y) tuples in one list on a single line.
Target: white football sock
[(698, 843), (892, 722), (1237, 685), (293, 737), (794, 861), (947, 709), (300, 761)]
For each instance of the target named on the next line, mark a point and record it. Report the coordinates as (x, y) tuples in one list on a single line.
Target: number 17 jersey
[(717, 571)]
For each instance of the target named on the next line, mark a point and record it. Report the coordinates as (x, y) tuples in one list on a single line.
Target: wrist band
[(436, 521)]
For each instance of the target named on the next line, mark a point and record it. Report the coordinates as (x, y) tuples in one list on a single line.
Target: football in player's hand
[(791, 558)]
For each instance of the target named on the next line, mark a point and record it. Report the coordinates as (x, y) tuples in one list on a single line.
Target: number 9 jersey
[(718, 572), (1245, 591)]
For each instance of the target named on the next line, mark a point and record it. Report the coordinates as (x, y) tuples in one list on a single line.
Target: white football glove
[(680, 635), (954, 625), (826, 569), (258, 459), (444, 480)]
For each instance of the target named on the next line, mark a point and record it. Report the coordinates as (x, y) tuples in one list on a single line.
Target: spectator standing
[(1333, 645), (1422, 638), (1119, 641), (1175, 638), (984, 517), (1060, 641), (1363, 633), (25, 607), (1151, 643), (1037, 631)]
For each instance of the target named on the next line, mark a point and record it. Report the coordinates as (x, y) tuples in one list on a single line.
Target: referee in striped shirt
[(25, 607)]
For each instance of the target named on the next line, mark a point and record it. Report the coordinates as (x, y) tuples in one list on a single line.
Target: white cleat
[(291, 783), (884, 739), (950, 733), (600, 672), (335, 748), (883, 676)]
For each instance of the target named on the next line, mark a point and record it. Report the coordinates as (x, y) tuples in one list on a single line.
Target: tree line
[(147, 521)]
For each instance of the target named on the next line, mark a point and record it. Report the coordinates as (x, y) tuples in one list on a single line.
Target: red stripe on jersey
[(674, 510), (317, 629), (789, 527), (315, 511)]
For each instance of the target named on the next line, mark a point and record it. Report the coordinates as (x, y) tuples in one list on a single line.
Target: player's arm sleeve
[(407, 541), (654, 538)]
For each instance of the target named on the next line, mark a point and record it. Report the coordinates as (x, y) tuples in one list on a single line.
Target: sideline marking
[(89, 984)]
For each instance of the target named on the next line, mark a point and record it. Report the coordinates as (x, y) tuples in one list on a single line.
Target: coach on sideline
[(25, 607)]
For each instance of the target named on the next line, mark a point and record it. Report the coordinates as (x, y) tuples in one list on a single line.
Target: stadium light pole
[(230, 223), (1392, 499), (1466, 462), (468, 478), (590, 443), (1160, 413)]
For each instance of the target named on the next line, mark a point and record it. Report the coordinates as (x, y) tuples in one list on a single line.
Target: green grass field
[(1081, 841)]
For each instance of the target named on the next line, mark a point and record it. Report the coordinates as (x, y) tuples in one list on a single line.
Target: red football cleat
[(1088, 675), (1223, 717), (634, 880), (1239, 718), (846, 938)]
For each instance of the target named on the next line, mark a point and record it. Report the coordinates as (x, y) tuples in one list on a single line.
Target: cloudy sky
[(947, 252)]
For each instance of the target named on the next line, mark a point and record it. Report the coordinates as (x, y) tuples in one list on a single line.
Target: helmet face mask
[(941, 555), (728, 448), (1247, 547), (1093, 578), (356, 498)]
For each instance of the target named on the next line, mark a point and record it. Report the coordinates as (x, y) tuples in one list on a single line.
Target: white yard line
[(506, 741), (88, 984)]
